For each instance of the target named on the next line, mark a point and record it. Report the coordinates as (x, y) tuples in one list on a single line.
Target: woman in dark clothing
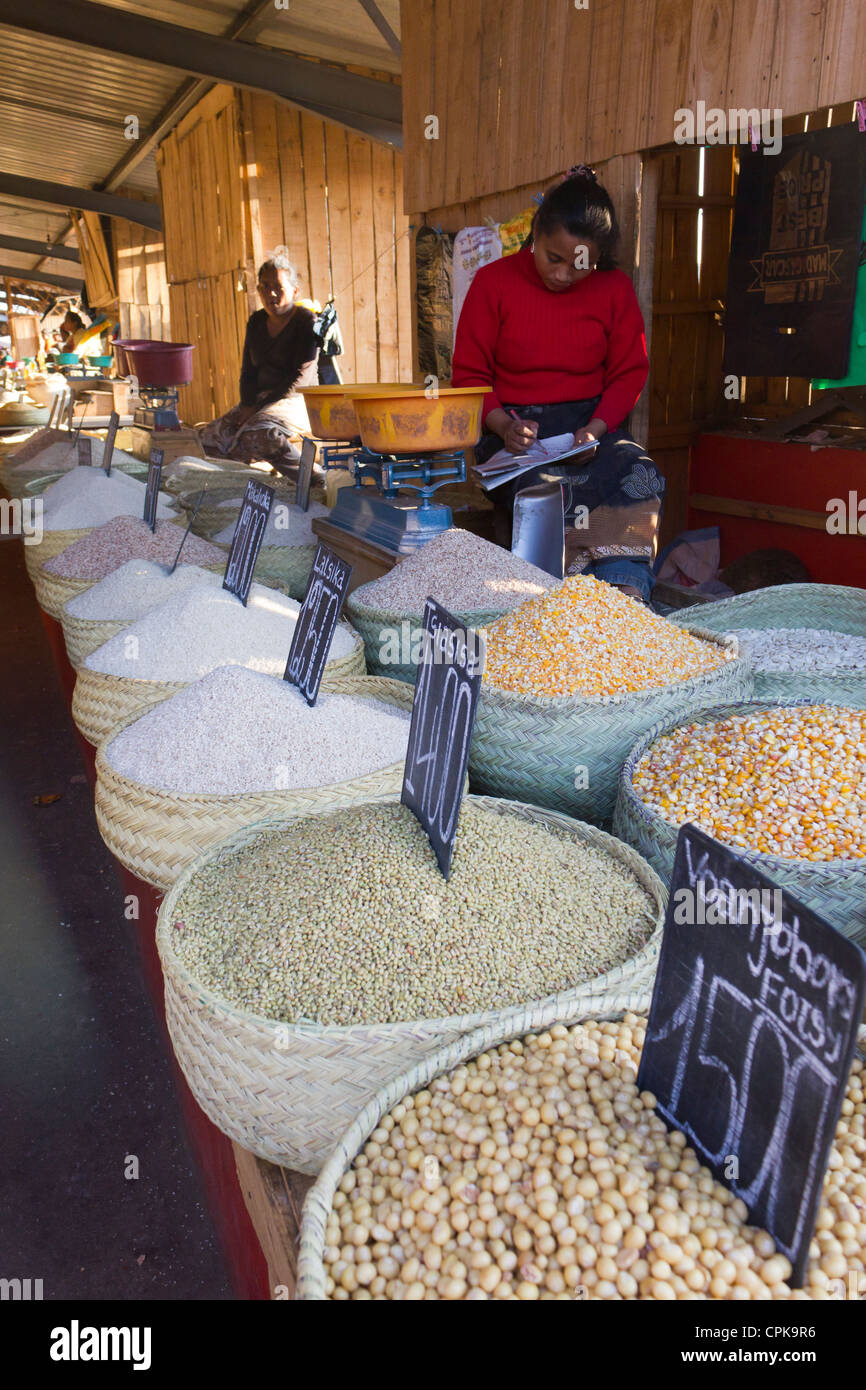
[(558, 332), (280, 355)]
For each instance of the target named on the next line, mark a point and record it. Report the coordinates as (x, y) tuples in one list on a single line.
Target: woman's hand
[(591, 433), (517, 435)]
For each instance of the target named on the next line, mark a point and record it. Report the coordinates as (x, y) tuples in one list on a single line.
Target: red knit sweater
[(537, 346)]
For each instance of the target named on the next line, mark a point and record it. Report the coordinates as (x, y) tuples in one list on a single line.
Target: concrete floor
[(84, 1082)]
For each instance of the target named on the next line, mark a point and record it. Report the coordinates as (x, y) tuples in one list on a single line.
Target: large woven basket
[(289, 565), (84, 635), (826, 607), (379, 629), (30, 484), (312, 1278), (51, 544), (534, 1018), (567, 751), (100, 701), (156, 834), (836, 889), (53, 591), (290, 1104)]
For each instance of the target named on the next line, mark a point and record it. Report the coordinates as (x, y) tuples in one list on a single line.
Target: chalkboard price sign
[(85, 451), (751, 1035), (111, 434), (247, 539), (443, 715), (317, 621), (305, 474), (154, 478)]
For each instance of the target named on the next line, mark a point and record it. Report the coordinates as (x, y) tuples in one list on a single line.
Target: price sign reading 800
[(317, 622), (443, 715), (247, 540), (751, 1035)]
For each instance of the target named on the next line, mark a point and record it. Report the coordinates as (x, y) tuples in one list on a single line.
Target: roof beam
[(32, 277), (46, 249), (62, 195), (363, 103), (382, 25)]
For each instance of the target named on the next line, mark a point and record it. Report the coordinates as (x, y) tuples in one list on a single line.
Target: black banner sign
[(794, 255)]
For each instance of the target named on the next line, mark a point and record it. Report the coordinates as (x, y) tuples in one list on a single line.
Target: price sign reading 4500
[(443, 714), (247, 539), (751, 1035), (327, 587)]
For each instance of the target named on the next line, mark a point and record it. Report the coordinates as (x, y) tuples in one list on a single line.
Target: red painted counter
[(782, 476), (212, 1150)]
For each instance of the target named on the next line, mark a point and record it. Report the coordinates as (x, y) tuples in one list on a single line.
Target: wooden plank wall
[(243, 174), (95, 259), (523, 90), (142, 286), (334, 199)]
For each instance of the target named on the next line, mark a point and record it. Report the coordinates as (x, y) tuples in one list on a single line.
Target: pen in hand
[(523, 437)]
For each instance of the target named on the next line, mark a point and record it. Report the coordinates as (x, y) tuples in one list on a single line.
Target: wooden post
[(644, 266)]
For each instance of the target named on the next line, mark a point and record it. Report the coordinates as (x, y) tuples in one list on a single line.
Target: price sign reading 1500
[(443, 715)]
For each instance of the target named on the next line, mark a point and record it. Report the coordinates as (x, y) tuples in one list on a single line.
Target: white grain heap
[(808, 649), (136, 587), (237, 730), (194, 632), (89, 497), (287, 525), (461, 571)]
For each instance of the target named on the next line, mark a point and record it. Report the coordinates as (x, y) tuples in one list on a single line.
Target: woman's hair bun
[(579, 171)]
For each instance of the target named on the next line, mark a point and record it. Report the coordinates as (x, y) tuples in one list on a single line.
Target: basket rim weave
[(104, 763), (492, 694), (651, 819), (786, 595), (623, 853)]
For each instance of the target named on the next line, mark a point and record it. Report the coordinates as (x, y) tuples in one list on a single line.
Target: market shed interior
[(152, 160)]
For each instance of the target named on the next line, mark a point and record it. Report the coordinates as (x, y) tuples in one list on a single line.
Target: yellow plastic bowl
[(410, 422), (330, 409)]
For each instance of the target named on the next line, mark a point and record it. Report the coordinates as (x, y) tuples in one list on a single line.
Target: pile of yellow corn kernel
[(588, 638), (788, 781)]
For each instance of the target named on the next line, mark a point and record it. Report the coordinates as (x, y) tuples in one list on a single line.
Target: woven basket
[(836, 889), (100, 701), (372, 622), (290, 1105), (533, 1018), (312, 1278), (537, 747), (51, 544), (53, 591), (84, 635), (21, 485), (156, 834), (830, 607), (289, 565)]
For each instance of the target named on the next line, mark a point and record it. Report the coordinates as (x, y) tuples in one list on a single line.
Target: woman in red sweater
[(558, 332)]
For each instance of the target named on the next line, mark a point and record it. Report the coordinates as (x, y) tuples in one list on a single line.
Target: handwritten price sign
[(751, 1035), (320, 612)]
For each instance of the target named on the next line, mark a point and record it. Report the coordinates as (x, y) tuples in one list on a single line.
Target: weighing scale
[(373, 509), (158, 410)]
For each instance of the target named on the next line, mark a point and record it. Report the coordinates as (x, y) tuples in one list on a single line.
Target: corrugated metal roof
[(63, 105)]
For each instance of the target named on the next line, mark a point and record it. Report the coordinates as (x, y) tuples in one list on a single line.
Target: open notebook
[(503, 467)]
